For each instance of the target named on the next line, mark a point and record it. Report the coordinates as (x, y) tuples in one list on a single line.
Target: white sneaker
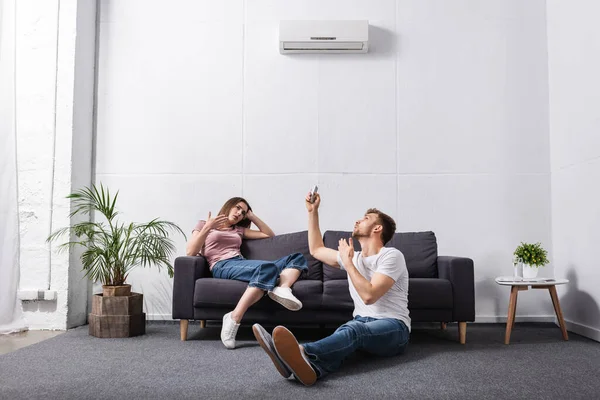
[(228, 331), (285, 297)]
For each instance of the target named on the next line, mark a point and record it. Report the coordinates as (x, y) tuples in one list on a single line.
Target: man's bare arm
[(369, 291), (315, 239)]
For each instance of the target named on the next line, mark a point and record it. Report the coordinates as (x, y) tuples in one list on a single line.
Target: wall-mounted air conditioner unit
[(323, 37)]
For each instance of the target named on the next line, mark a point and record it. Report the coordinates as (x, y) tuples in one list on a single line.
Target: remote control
[(314, 190)]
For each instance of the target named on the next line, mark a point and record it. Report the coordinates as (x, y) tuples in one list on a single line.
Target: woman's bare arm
[(194, 245), (264, 230)]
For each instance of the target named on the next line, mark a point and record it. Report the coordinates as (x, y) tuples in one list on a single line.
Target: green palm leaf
[(113, 249)]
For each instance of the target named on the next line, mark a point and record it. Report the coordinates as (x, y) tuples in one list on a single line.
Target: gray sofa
[(441, 288)]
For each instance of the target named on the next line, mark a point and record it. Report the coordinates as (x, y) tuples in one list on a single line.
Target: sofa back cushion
[(331, 239), (420, 252), (282, 245), (419, 249)]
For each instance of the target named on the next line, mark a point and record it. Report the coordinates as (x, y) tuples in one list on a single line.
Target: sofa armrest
[(187, 271), (460, 272)]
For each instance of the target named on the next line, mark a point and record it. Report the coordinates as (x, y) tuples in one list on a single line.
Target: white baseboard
[(159, 317), (494, 319), (583, 330)]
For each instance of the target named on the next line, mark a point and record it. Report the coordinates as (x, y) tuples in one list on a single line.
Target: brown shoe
[(289, 352)]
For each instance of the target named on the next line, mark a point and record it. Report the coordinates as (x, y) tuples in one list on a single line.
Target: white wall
[(443, 124), (36, 42), (54, 103), (574, 62), (36, 74)]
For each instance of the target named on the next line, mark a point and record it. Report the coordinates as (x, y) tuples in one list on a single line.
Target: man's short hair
[(387, 222)]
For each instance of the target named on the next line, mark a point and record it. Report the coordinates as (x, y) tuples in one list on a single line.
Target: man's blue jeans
[(258, 273), (380, 337)]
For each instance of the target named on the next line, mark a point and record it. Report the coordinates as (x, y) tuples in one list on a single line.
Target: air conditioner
[(323, 37)]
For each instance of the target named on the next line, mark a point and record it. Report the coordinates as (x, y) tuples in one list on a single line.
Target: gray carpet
[(537, 364)]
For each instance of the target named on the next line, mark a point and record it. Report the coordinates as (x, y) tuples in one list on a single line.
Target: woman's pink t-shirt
[(220, 245)]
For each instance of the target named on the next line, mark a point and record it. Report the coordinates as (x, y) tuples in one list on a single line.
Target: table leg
[(512, 308), (515, 312), (559, 315)]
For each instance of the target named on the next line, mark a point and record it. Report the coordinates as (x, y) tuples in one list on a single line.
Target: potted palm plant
[(111, 249), (532, 256)]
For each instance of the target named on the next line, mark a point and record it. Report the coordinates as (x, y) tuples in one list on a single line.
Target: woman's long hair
[(232, 202)]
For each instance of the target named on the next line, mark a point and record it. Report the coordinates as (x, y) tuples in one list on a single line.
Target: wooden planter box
[(117, 316)]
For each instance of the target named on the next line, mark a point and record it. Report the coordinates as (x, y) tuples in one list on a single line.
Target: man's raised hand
[(315, 204), (346, 249)]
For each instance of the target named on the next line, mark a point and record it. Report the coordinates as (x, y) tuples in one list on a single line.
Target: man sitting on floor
[(378, 283)]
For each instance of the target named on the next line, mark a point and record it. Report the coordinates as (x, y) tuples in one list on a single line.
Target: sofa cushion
[(271, 249), (336, 295), (331, 240), (423, 293), (420, 252), (225, 293), (429, 293), (419, 249)]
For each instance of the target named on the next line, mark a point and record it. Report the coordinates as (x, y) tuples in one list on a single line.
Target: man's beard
[(357, 234)]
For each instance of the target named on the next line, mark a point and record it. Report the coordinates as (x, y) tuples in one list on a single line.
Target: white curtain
[(10, 308)]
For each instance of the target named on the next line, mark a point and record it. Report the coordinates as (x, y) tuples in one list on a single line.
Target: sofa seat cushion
[(429, 293), (423, 293), (225, 293), (336, 295)]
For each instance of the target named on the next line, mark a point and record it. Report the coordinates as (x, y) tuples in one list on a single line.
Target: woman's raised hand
[(216, 222)]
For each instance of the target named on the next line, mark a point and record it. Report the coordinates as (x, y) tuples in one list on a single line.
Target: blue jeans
[(259, 274), (380, 337)]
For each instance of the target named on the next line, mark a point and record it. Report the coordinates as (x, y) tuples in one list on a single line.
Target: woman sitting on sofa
[(219, 239)]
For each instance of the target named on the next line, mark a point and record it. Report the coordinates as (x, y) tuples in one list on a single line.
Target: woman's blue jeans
[(380, 337), (258, 273)]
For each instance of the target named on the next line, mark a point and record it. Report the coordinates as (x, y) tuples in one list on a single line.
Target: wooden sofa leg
[(462, 332), (202, 323), (183, 328), (443, 326)]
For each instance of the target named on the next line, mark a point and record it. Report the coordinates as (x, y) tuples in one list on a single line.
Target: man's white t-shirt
[(394, 303)]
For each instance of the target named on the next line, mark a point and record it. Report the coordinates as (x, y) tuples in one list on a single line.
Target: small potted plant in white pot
[(532, 256), (111, 249)]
